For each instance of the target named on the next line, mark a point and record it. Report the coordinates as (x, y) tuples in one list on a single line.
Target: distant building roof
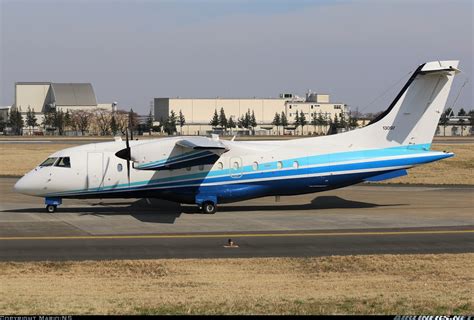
[(32, 82), (74, 94)]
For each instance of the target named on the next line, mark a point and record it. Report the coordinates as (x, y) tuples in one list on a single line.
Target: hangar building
[(41, 97)]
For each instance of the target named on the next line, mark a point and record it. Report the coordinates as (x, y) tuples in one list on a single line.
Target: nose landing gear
[(52, 204)]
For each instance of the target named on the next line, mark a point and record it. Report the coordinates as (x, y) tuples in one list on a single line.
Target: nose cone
[(27, 185), (20, 186)]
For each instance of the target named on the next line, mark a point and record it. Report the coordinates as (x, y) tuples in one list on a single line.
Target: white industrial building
[(198, 112), (455, 126), (40, 97)]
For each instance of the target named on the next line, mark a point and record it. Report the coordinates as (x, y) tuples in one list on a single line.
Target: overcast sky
[(133, 51)]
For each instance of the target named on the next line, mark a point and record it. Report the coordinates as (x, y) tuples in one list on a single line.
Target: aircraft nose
[(25, 186), (20, 185)]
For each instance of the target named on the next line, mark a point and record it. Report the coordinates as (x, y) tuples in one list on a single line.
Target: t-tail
[(413, 116)]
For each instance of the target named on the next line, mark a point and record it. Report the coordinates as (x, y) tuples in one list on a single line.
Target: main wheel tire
[(209, 207), (51, 208)]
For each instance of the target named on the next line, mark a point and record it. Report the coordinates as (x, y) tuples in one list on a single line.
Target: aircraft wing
[(189, 151), (202, 143)]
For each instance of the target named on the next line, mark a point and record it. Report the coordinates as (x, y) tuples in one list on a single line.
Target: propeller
[(125, 154)]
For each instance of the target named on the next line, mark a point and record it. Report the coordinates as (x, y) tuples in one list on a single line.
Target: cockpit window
[(48, 162), (63, 162)]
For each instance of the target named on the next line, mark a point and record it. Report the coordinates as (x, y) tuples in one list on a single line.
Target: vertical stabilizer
[(413, 116)]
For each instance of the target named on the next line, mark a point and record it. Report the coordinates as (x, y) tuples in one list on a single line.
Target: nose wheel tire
[(51, 208), (209, 207)]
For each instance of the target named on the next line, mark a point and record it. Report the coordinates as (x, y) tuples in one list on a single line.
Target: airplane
[(207, 171)]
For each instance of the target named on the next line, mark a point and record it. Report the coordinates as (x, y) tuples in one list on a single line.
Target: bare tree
[(102, 119), (121, 118), (81, 120)]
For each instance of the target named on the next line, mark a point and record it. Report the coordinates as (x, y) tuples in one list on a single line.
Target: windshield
[(48, 162), (63, 162)]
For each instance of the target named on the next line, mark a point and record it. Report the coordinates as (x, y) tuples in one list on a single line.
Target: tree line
[(245, 121), (103, 122), (97, 121), (317, 119), (169, 125)]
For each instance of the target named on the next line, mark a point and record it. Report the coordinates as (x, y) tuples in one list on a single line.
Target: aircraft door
[(235, 167), (94, 169), (111, 170)]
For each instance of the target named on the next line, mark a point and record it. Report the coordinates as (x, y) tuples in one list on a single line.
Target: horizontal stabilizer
[(388, 175)]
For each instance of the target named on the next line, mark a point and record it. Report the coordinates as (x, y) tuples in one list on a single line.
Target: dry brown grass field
[(373, 284), (17, 159), (455, 170)]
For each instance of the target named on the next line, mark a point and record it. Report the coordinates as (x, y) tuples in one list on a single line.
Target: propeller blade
[(129, 156), (125, 154), (128, 172), (126, 139)]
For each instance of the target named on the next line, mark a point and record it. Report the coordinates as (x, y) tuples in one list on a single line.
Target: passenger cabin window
[(48, 162), (255, 165), (220, 166), (64, 162), (279, 164), (295, 164)]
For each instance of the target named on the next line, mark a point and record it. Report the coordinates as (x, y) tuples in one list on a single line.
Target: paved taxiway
[(356, 220)]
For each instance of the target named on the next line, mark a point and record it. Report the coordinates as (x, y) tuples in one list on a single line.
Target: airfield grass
[(372, 284), (17, 159), (455, 170)]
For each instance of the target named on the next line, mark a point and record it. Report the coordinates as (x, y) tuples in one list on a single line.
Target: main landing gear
[(52, 204), (208, 207), (207, 203)]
